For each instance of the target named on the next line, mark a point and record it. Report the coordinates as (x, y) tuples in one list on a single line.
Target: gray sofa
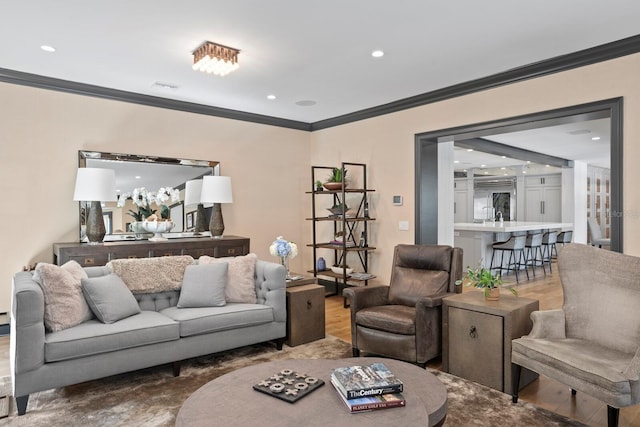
[(161, 333)]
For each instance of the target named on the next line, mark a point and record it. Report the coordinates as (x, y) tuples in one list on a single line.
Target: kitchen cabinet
[(461, 201), (599, 197), (543, 198)]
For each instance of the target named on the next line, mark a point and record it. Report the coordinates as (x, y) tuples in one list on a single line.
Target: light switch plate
[(403, 225)]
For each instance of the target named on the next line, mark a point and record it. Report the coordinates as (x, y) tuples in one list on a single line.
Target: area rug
[(152, 397)]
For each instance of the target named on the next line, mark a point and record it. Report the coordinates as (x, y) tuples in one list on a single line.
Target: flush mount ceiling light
[(215, 58)]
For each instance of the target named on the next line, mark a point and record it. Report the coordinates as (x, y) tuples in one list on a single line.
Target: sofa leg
[(279, 343), (573, 392), (355, 352), (21, 403), (612, 416), (515, 382), (176, 368)]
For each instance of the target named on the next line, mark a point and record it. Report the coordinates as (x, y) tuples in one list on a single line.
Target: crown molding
[(605, 52)]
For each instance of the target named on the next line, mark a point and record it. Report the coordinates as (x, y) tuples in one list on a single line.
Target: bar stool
[(549, 240), (533, 248), (515, 247), (564, 238)]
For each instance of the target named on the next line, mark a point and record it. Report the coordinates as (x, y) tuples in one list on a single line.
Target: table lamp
[(95, 185), (192, 194), (216, 190)]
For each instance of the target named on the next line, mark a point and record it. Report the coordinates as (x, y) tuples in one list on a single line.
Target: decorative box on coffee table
[(477, 334), (305, 314)]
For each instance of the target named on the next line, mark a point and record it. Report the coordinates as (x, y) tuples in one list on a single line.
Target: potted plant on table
[(484, 279), (336, 180)]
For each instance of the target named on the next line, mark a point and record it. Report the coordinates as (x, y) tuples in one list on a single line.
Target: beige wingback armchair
[(404, 320), (592, 344)]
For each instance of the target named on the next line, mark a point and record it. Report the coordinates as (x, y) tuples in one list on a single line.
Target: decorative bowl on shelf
[(157, 228), (332, 186), (339, 270)]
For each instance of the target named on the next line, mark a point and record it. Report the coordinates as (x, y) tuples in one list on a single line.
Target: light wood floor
[(543, 392)]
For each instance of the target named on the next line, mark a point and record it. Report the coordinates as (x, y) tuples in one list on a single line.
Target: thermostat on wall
[(397, 200)]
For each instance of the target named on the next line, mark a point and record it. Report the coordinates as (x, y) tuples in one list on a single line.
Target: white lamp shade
[(192, 193), (216, 189), (95, 185)]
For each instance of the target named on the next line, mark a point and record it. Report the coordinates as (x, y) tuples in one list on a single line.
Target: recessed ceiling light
[(138, 177), (504, 169), (595, 138), (456, 161), (306, 103), (271, 97), (486, 173), (524, 171), (469, 149), (547, 166), (483, 166), (503, 157), (377, 54), (48, 48)]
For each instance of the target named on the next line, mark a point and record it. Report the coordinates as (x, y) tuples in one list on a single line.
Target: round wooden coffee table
[(230, 400)]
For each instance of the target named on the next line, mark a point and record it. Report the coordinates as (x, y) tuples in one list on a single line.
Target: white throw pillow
[(241, 284)]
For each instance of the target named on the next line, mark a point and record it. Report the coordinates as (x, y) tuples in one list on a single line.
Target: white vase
[(157, 228)]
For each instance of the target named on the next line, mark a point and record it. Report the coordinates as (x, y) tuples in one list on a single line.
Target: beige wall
[(40, 135), (386, 143), (269, 166)]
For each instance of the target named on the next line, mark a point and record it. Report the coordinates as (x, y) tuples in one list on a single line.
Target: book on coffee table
[(371, 403), (365, 380)]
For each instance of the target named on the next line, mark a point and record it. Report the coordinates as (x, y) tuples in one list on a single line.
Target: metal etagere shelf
[(352, 224)]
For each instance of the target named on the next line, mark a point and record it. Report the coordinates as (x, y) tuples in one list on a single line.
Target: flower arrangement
[(482, 278), (143, 199), (283, 248)]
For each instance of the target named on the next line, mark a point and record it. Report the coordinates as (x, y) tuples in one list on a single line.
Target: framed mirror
[(134, 172)]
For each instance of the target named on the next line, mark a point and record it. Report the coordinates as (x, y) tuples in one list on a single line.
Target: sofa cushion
[(196, 321), (64, 303), (109, 298), (241, 282), (203, 285), (95, 337)]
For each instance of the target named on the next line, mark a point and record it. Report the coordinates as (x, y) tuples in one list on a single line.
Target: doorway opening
[(427, 164)]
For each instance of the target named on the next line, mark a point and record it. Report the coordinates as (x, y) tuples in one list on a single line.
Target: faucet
[(499, 215)]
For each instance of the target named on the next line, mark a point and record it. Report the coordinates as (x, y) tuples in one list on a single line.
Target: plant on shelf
[(484, 279), (338, 209), (336, 180), (337, 175)]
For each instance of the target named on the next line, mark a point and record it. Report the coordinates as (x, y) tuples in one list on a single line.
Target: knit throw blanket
[(149, 275)]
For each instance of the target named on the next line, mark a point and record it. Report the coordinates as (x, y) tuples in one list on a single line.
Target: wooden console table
[(92, 255), (477, 334)]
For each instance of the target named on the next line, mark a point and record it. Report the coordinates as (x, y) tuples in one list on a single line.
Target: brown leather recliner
[(404, 320)]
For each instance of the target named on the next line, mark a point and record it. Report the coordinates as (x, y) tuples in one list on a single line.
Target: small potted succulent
[(484, 279)]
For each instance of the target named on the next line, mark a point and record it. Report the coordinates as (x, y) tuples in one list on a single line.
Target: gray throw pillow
[(203, 285), (109, 298)]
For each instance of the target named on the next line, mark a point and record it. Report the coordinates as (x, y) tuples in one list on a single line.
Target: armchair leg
[(612, 416), (356, 352), (573, 392), (515, 382)]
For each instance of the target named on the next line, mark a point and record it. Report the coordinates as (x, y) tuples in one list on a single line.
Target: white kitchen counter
[(510, 226), (476, 239)]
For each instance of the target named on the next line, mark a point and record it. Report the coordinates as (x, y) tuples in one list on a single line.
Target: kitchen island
[(476, 239)]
